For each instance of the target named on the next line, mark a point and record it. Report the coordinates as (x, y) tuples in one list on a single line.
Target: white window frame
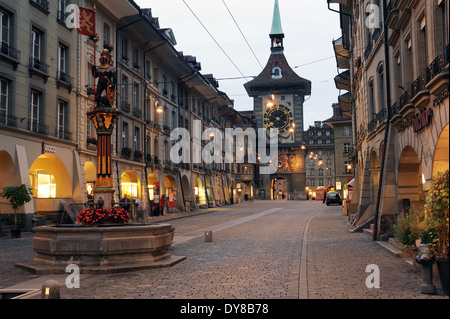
[(36, 41), (62, 59), (4, 14), (4, 87), (34, 109), (61, 118)]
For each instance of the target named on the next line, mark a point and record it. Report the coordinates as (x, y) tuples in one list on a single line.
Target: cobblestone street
[(257, 252)]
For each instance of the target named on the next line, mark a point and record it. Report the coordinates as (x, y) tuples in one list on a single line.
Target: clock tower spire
[(276, 34)]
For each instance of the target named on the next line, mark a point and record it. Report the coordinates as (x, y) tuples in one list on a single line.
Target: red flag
[(86, 22)]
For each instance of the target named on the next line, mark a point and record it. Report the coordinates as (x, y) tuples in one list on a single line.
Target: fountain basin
[(101, 249)]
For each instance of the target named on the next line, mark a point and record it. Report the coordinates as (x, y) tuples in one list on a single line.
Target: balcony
[(64, 135), (437, 74), (381, 116), (342, 54), (125, 106), (7, 120), (420, 96), (36, 66), (137, 112), (342, 81), (41, 5), (38, 128), (10, 54), (64, 79), (372, 125)]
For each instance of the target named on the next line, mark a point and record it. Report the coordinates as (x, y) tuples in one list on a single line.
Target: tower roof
[(267, 82), (277, 29), (277, 76)]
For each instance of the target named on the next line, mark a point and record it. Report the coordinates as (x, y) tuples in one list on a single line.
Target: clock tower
[(278, 95)]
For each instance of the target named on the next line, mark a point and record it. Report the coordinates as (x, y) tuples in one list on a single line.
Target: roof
[(276, 21), (337, 115), (290, 81)]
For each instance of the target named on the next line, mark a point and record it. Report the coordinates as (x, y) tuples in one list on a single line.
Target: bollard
[(208, 236), (50, 290)]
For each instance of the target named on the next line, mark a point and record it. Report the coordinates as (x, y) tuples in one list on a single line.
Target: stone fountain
[(102, 248)]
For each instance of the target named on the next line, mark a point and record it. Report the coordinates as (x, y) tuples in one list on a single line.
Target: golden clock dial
[(279, 117)]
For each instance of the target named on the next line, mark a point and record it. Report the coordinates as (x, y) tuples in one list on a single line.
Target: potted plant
[(17, 197), (437, 206), (408, 229)]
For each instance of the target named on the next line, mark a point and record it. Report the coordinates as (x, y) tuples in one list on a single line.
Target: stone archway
[(279, 188), (50, 182), (7, 178), (50, 178), (410, 180), (441, 153), (130, 184)]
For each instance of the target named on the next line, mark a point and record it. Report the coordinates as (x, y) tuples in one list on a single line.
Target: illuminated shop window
[(131, 189), (46, 186)]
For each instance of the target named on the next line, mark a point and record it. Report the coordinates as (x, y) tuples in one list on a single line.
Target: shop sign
[(422, 120), (48, 148)]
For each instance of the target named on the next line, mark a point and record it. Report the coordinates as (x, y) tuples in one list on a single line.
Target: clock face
[(280, 117)]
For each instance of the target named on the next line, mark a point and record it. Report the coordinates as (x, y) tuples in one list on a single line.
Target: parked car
[(333, 198)]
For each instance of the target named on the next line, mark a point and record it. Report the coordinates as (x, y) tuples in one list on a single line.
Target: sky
[(309, 29)]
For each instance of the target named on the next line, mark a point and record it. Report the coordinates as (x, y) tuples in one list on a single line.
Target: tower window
[(276, 73)]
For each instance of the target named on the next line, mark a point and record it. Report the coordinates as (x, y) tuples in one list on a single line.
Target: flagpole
[(95, 56)]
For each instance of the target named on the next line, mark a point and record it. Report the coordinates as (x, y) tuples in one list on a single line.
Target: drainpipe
[(376, 233)]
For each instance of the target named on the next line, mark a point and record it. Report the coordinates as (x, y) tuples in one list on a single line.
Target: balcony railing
[(65, 79), (125, 106), (381, 116), (38, 66), (436, 67), (137, 112), (65, 135), (394, 108), (38, 128), (7, 120), (10, 53), (405, 98), (40, 4), (418, 85), (372, 125)]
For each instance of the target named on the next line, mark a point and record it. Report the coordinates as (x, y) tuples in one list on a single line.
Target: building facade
[(398, 57), (47, 87), (38, 126), (320, 158), (343, 143)]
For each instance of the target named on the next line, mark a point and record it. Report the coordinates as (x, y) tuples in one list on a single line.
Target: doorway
[(279, 189)]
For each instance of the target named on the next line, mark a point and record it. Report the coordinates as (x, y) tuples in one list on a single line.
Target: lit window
[(46, 186), (130, 189)]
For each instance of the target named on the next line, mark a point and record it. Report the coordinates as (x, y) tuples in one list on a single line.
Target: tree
[(17, 197)]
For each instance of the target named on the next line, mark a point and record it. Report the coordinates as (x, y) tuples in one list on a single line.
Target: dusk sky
[(309, 29)]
